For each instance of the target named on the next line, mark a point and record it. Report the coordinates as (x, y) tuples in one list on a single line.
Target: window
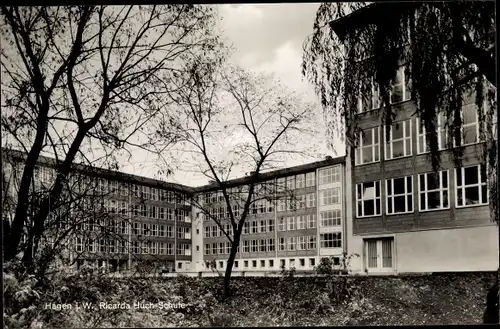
[(368, 150), (311, 200), (291, 223), (301, 201), (292, 262), (254, 226), (302, 262), (311, 221), (170, 231), (281, 244), (399, 195), (262, 226), (236, 264), (170, 248), (368, 199), (441, 132), (162, 230), (262, 263), (292, 242), (154, 248), (282, 263), (399, 143), (302, 242), (263, 245), (330, 196), (290, 183), (433, 190), (222, 247), (312, 261), (469, 131), (154, 230), (291, 203), (329, 175), (255, 246), (331, 240), (214, 231), (281, 184), (246, 246), (310, 179), (471, 186), (207, 249), (271, 225), (245, 263), (301, 222), (400, 90), (162, 213), (207, 231), (281, 224), (254, 263), (311, 244), (271, 263), (228, 247), (300, 181), (330, 218), (79, 245), (370, 98), (246, 228), (281, 205), (270, 245)]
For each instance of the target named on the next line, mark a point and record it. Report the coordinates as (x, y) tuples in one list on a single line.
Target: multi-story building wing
[(283, 227), (406, 217)]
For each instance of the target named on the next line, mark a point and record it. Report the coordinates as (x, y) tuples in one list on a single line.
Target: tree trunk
[(229, 267)]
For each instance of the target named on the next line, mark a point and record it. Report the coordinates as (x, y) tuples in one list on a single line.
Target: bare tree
[(75, 76), (232, 121)]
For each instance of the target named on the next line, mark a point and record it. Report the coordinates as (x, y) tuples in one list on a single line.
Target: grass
[(298, 301)]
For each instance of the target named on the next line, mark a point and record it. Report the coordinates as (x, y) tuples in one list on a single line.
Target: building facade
[(401, 215)]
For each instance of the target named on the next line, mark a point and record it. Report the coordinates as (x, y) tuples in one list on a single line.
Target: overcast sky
[(265, 37)]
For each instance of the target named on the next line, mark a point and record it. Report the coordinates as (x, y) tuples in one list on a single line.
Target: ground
[(294, 301)]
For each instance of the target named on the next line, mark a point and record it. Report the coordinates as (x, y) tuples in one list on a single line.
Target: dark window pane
[(360, 211), (377, 205), (483, 174), (471, 176), (422, 201), (433, 200), (458, 175), (444, 177), (421, 179), (389, 205), (377, 189), (399, 185), (469, 114), (472, 195), (470, 134), (445, 199), (484, 195), (399, 204), (432, 181), (409, 200), (389, 187), (367, 137), (408, 185), (397, 94), (397, 130), (367, 154), (369, 207)]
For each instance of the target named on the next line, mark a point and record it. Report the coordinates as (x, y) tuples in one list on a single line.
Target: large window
[(370, 98), (310, 179), (290, 183), (311, 221), (330, 218), (368, 149), (329, 175), (469, 131), (292, 243), (281, 224), (399, 195), (433, 190), (471, 186), (423, 136), (300, 181), (291, 223), (400, 90), (330, 196), (331, 240), (311, 200), (368, 199), (399, 143)]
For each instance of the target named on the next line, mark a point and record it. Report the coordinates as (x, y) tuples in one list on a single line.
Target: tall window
[(400, 90), (471, 186), (312, 242), (331, 218), (368, 199), (399, 143), (441, 132), (281, 244), (370, 99), (281, 184), (290, 183), (399, 195), (292, 242), (310, 179), (329, 175), (311, 221), (331, 240), (300, 181), (433, 190), (330, 196), (281, 224), (301, 222), (291, 223), (368, 149), (311, 200), (246, 246), (469, 131), (270, 245), (302, 243)]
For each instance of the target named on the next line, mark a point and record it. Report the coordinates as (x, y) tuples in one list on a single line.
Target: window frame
[(404, 139), (362, 200), (406, 194), (440, 189), (479, 185), (374, 147)]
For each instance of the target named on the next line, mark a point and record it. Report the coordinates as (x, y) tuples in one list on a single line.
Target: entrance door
[(379, 255)]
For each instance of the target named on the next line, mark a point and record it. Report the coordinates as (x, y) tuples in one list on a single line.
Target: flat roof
[(125, 177)]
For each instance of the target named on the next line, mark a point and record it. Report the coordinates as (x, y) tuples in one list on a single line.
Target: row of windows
[(399, 143), (137, 247), (161, 231), (328, 175), (262, 263), (433, 192)]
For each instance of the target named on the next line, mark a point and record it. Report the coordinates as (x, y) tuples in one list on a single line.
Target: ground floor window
[(379, 254)]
